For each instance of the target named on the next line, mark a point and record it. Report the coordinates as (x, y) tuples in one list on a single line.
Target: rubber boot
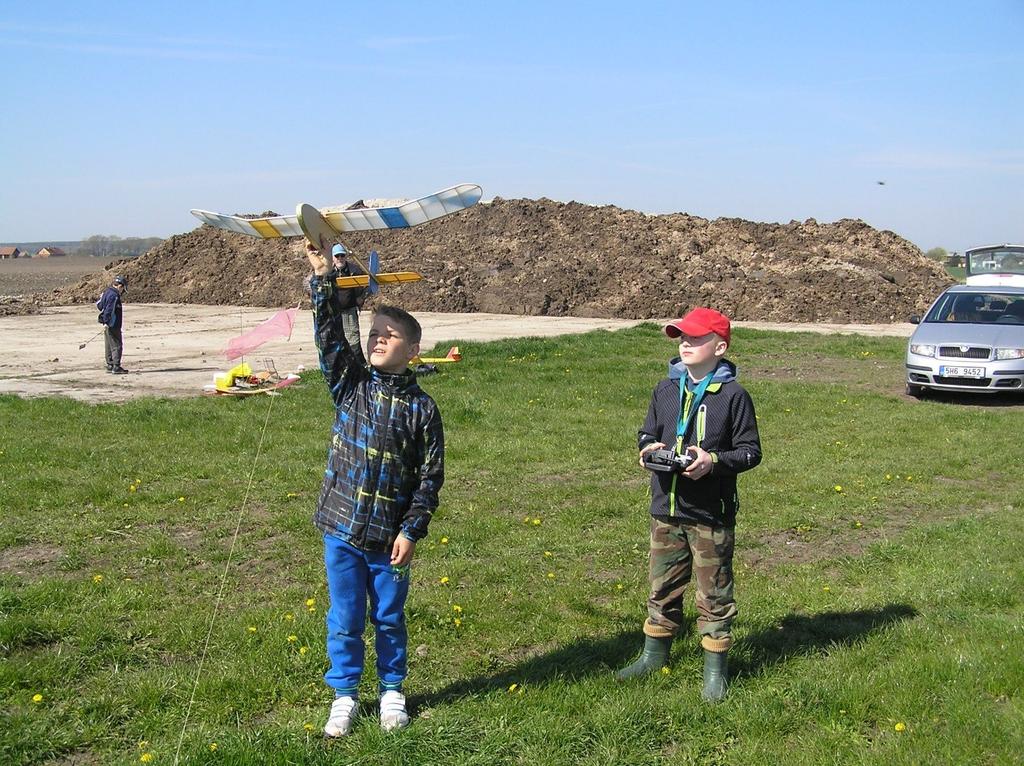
[(716, 675), (653, 658)]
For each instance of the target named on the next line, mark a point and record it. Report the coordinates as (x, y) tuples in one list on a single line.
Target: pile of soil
[(566, 259)]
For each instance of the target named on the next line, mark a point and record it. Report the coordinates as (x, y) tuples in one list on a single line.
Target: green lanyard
[(684, 417), (682, 425)]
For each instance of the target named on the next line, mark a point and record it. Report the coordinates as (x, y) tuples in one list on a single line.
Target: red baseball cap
[(699, 322)]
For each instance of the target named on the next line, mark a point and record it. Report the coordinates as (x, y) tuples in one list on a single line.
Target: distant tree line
[(103, 245)]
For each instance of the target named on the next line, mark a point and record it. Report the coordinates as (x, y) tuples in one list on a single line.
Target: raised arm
[(340, 363)]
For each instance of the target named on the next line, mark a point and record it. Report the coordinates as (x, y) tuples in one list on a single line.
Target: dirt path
[(173, 350)]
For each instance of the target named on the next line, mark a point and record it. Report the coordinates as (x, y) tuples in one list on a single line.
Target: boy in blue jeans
[(385, 466)]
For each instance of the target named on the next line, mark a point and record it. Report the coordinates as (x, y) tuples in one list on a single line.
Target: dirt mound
[(567, 259)]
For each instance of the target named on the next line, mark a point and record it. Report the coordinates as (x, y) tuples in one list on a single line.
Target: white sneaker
[(393, 714), (343, 714)]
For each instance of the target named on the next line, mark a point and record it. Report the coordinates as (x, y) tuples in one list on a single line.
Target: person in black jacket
[(700, 410), (385, 466), (109, 306), (351, 300)]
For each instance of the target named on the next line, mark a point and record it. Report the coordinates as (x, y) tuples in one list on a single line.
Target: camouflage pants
[(682, 549)]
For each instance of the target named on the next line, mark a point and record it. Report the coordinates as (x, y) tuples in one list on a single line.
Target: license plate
[(962, 372)]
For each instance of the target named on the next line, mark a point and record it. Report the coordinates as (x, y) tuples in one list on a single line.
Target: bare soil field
[(173, 350), (25, 276)]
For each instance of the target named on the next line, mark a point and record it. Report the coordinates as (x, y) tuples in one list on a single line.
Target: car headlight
[(922, 349), (1010, 353)]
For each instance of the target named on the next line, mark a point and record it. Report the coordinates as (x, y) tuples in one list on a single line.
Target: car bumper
[(1004, 375)]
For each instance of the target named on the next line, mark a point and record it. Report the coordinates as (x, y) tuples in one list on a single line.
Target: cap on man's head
[(700, 321), (338, 250), (123, 281)]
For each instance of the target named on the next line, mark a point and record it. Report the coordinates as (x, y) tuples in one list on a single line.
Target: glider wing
[(411, 213)]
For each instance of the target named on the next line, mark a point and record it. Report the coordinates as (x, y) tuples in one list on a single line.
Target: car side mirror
[(915, 319)]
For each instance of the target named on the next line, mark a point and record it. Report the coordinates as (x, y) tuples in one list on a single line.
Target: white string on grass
[(223, 580)]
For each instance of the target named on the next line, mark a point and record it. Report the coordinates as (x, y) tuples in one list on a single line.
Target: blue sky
[(120, 119)]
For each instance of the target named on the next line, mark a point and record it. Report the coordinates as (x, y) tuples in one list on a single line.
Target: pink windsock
[(278, 326)]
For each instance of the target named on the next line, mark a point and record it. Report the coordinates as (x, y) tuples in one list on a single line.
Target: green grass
[(878, 574)]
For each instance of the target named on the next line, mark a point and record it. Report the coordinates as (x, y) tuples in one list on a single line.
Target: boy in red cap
[(703, 413)]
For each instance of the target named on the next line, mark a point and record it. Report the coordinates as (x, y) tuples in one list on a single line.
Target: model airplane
[(325, 226), (411, 213), (453, 356)]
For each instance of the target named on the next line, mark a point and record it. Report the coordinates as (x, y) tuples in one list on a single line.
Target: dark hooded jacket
[(723, 424), (385, 463), (109, 306)]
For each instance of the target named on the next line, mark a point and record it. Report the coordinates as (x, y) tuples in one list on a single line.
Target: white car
[(971, 339)]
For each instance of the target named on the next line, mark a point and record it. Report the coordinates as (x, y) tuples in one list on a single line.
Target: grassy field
[(879, 575)]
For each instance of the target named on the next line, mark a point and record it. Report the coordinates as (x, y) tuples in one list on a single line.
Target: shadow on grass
[(799, 634), (1002, 399), (795, 635), (569, 663)]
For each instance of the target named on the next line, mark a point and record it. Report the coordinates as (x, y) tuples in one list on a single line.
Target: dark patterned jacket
[(724, 424), (385, 463)]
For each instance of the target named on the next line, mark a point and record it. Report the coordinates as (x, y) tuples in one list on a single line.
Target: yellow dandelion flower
[(548, 554), (252, 628), (526, 520), (98, 578), (181, 499), (146, 757), (444, 541), (512, 688), (292, 639), (839, 488), (310, 602), (888, 476), (213, 747), (858, 525), (444, 580), (457, 622), (551, 575), (618, 586), (665, 670), (826, 588), (900, 726), (125, 505), (308, 726), (456, 608), (303, 649), (131, 488), (536, 522), (37, 698), (288, 617)]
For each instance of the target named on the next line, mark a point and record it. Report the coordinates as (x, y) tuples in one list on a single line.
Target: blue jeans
[(353, 574)]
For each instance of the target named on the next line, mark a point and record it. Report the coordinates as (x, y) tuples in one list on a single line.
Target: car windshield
[(978, 308), (996, 261)]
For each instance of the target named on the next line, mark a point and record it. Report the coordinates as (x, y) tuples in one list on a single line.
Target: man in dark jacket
[(109, 306), (385, 466), (350, 301), (705, 414)]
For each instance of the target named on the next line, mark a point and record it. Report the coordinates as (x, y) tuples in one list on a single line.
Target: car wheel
[(915, 391)]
